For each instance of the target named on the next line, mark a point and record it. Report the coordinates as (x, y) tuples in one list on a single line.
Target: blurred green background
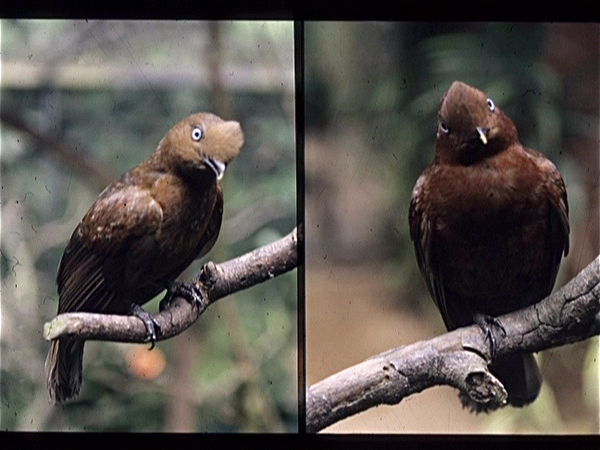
[(81, 103), (372, 94)]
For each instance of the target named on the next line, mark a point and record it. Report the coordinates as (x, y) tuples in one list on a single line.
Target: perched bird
[(489, 221), (141, 233)]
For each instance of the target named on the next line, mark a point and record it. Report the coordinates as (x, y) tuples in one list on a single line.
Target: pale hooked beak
[(217, 167), (483, 134)]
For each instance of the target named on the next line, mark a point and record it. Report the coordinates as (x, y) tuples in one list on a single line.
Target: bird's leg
[(151, 324), (486, 323), (188, 291)]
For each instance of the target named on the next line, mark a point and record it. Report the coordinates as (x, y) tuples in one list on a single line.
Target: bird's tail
[(63, 369), (521, 377)]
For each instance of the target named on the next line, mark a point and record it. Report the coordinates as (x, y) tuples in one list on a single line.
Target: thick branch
[(459, 358), (215, 280)]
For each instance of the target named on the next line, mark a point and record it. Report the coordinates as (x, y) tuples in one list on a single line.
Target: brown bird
[(489, 221), (141, 233)]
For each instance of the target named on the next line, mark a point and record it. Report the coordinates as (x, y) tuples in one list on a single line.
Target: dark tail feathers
[(63, 369)]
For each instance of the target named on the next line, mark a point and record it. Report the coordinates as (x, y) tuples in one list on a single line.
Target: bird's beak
[(483, 134), (217, 166)]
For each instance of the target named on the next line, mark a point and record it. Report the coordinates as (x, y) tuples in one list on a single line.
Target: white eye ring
[(444, 127), (490, 104), (197, 134)]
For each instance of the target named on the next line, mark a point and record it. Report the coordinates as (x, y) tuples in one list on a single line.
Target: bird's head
[(470, 126), (202, 141)]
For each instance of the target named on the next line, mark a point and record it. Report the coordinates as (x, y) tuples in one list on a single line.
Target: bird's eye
[(197, 134), (444, 127), (490, 104)]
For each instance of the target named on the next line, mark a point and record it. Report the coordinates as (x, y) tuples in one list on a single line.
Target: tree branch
[(215, 281), (459, 358)]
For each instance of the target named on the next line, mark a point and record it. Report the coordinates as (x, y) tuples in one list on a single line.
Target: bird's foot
[(486, 323), (151, 324), (188, 291)]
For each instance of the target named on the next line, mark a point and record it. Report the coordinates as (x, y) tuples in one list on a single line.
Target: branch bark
[(215, 281), (459, 358)]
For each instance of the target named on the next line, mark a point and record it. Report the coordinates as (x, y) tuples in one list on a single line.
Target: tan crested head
[(198, 141)]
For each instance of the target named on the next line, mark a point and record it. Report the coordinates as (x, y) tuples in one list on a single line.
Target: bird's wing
[(422, 234), (91, 273), (559, 211), (560, 207)]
